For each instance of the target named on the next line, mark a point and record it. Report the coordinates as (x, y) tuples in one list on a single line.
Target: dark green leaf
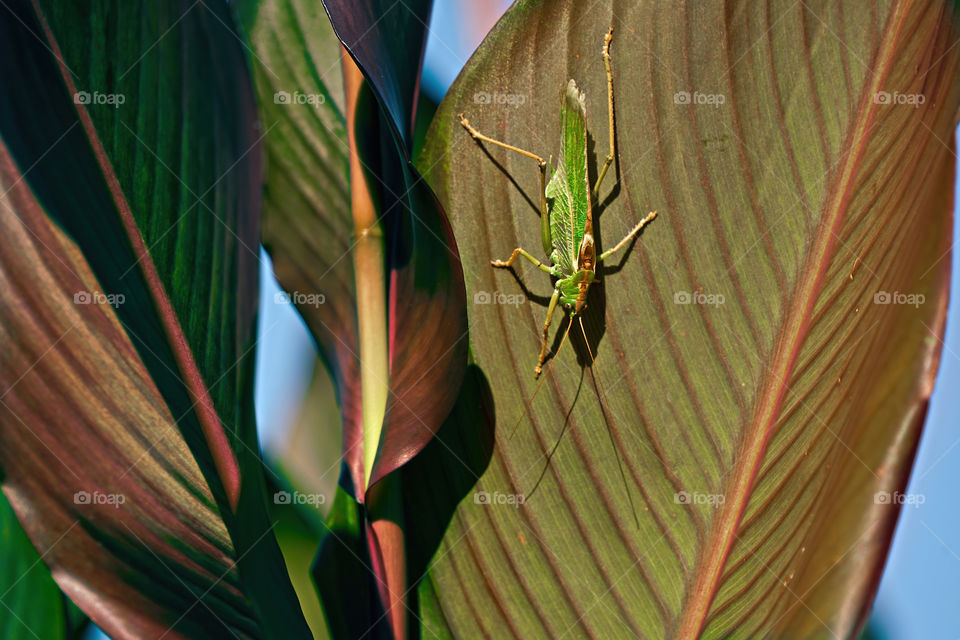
[(31, 605), (130, 169), (342, 572)]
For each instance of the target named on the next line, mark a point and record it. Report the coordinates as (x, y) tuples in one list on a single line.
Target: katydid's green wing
[(568, 186)]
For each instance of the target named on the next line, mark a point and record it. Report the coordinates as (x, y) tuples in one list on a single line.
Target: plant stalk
[(369, 271), (384, 511)]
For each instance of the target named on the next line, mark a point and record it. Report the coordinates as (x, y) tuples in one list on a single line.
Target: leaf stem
[(369, 271)]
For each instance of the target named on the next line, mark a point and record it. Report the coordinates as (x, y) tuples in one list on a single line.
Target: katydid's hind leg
[(628, 237), (546, 331), (541, 163), (609, 159), (506, 264)]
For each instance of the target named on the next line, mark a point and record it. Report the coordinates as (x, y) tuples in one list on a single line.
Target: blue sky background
[(919, 597)]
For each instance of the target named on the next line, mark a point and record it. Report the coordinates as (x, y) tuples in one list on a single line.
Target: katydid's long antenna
[(526, 409), (603, 401)]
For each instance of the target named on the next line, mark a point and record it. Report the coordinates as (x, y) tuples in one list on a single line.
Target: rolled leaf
[(307, 222), (387, 40)]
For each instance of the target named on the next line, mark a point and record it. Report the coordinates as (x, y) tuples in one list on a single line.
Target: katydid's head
[(581, 302), (573, 290), (580, 305)]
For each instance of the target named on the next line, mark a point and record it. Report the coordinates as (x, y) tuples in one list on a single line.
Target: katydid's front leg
[(609, 158), (546, 332), (503, 264), (541, 163)]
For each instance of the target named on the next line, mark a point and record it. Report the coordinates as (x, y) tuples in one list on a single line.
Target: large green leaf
[(31, 605), (130, 172), (795, 176)]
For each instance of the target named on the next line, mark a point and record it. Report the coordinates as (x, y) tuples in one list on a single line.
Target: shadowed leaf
[(426, 298), (316, 239), (342, 572)]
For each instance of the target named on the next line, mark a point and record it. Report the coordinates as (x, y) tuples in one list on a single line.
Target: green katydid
[(566, 227)]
